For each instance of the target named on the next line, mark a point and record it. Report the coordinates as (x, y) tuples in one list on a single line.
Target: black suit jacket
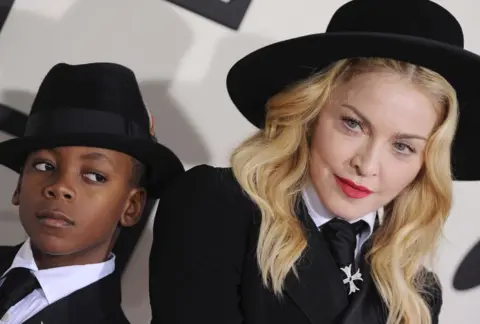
[(98, 303), (203, 266)]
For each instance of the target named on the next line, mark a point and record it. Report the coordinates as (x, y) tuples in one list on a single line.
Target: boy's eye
[(95, 177), (43, 166)]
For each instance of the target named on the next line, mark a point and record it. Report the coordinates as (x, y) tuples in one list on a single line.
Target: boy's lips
[(54, 218)]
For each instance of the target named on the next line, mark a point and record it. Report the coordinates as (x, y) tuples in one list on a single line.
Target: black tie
[(19, 283), (341, 237)]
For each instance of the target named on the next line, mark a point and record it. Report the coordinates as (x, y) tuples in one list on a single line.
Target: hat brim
[(162, 164), (265, 72)]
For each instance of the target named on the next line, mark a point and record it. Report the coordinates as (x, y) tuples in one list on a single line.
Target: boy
[(87, 162)]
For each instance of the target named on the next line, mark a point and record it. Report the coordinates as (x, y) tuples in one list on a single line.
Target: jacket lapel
[(98, 303), (318, 289), (366, 307)]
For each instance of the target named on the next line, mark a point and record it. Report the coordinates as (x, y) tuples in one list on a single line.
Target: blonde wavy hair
[(272, 167)]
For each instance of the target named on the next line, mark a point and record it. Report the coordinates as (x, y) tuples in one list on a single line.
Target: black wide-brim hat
[(94, 105), (415, 31)]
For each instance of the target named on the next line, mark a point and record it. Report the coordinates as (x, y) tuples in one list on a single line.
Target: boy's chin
[(52, 246)]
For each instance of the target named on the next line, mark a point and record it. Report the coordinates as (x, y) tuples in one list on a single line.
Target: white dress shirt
[(320, 215), (55, 283)]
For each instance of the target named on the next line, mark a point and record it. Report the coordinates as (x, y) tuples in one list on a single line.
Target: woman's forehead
[(388, 100)]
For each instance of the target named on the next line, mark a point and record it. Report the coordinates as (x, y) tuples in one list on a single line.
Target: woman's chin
[(349, 211)]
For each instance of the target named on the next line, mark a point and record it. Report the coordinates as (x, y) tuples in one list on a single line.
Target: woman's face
[(368, 142)]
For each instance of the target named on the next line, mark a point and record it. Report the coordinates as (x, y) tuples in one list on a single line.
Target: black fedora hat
[(416, 31), (95, 105)]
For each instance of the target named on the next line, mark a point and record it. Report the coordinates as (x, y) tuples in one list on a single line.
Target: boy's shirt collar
[(60, 282)]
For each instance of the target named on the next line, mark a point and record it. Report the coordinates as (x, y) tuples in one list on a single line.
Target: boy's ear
[(134, 207), (16, 193)]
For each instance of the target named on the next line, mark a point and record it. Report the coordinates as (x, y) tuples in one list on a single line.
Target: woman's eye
[(351, 123), (95, 177), (44, 166), (403, 148)]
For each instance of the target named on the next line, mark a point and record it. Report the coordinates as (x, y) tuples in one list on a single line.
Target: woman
[(330, 209)]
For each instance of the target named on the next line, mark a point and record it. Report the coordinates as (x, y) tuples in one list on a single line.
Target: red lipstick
[(351, 189)]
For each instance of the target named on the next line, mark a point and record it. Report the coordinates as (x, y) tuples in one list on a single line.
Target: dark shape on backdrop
[(229, 13), (467, 275), (5, 6)]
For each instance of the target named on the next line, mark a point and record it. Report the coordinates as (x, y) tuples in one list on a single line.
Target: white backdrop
[(181, 60)]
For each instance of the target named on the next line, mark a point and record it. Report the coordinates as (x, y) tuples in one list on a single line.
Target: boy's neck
[(92, 255)]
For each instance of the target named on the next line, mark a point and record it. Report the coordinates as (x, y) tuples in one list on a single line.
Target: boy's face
[(71, 199)]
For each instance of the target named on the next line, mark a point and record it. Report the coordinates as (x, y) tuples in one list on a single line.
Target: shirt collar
[(60, 282), (320, 214)]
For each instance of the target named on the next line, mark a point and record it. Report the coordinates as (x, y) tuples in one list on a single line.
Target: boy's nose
[(59, 191)]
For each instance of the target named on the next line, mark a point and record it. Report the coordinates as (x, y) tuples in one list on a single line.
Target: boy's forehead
[(85, 153)]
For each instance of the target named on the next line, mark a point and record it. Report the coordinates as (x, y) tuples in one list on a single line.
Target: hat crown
[(96, 87), (418, 18)]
